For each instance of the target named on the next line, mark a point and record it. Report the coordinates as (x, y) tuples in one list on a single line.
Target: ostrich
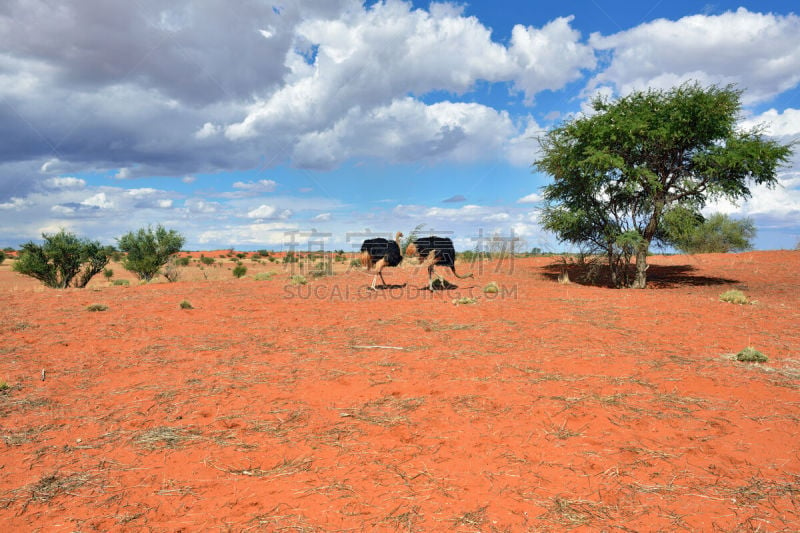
[(381, 253), (435, 251)]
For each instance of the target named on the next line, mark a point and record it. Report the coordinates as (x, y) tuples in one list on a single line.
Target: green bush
[(182, 261), (97, 307), (239, 271), (751, 355), (491, 288), (108, 273), (207, 260), (264, 276), (63, 260), (186, 305), (123, 282), (147, 250), (2, 256), (297, 279)]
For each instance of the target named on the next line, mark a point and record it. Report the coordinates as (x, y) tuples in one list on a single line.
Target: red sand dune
[(325, 407)]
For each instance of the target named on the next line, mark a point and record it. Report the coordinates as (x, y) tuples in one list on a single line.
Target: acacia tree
[(63, 260), (694, 234), (147, 250), (618, 172)]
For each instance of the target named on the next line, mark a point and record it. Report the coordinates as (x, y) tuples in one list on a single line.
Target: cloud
[(322, 217), (759, 52), (785, 123), (458, 198), (260, 186), (530, 199), (268, 212), (65, 183)]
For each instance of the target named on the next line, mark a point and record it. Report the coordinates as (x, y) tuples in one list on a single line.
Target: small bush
[(97, 307), (182, 261), (207, 260), (264, 276), (751, 355), (147, 250), (4, 386), (239, 271), (108, 273), (123, 282), (464, 301), (186, 305), (491, 288), (297, 279), (2, 256), (734, 296)]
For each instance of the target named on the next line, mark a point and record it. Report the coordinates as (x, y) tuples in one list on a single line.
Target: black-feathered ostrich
[(433, 251), (381, 253)]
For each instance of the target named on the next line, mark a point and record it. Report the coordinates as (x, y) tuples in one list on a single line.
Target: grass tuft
[(97, 307), (734, 296), (185, 304)]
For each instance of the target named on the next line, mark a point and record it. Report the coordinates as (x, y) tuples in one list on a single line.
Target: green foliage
[(147, 250), (297, 279), (751, 355), (264, 276), (186, 305), (108, 273), (207, 260), (97, 307), (734, 296), (619, 172), (290, 257), (464, 301), (182, 261), (2, 256), (239, 271), (63, 260), (717, 234), (122, 282)]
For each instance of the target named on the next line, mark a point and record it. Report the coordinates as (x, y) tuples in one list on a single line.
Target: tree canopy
[(147, 250), (63, 260), (619, 171)]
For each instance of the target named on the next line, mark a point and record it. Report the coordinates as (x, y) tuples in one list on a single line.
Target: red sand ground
[(325, 408)]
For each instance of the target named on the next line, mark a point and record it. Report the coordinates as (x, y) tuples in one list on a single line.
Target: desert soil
[(325, 407)]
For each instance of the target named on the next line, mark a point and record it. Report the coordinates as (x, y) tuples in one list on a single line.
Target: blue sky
[(240, 124)]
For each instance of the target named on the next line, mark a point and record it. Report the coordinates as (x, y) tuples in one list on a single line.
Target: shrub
[(464, 301), (123, 282), (491, 288), (264, 276), (207, 260), (97, 307), (734, 296), (239, 271), (2, 256), (297, 279), (63, 259), (182, 261), (108, 273), (147, 250), (751, 355), (186, 305), (290, 257)]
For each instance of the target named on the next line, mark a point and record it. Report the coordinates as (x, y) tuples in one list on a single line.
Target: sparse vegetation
[(298, 279), (206, 260), (108, 273), (464, 301), (2, 256), (751, 355), (97, 307), (148, 250), (63, 260), (264, 276), (185, 304), (122, 282)]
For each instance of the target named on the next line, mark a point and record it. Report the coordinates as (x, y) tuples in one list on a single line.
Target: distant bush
[(186, 305), (182, 261), (751, 355), (97, 307), (207, 260), (63, 260), (264, 276), (297, 279), (239, 271), (147, 250), (464, 301), (734, 296), (693, 234), (290, 257), (108, 273), (123, 282), (2, 256)]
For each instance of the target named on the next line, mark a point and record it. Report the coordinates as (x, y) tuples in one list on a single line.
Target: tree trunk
[(640, 281)]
